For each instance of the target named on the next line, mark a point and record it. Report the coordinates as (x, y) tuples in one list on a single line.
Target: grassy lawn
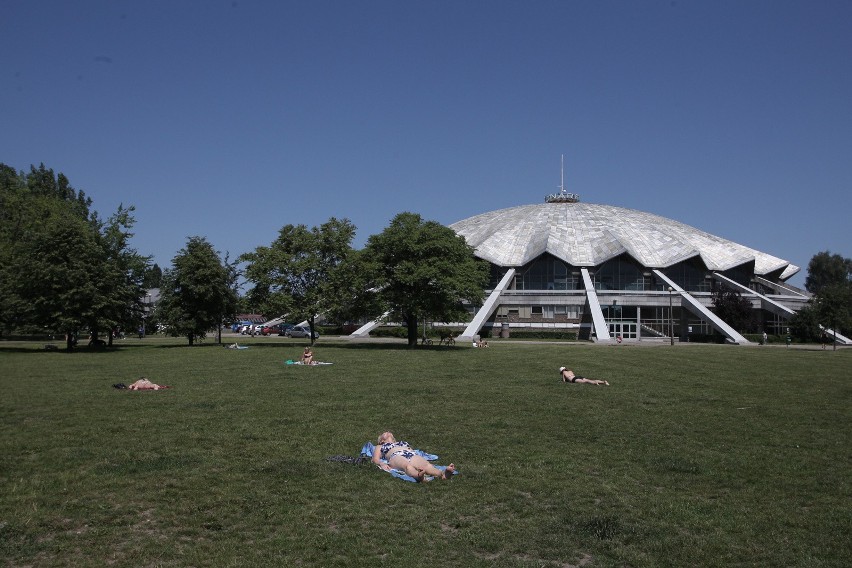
[(698, 455)]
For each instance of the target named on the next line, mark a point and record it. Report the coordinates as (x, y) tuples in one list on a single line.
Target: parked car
[(283, 328), (269, 329), (301, 331), (251, 329)]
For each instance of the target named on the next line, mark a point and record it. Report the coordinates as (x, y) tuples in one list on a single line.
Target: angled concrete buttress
[(765, 303), (601, 329), (772, 306), (693, 305), (365, 329), (487, 308)]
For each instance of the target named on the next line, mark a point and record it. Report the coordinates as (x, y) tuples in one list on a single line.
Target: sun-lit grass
[(698, 455)]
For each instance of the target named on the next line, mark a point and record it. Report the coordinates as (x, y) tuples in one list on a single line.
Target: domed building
[(612, 273)]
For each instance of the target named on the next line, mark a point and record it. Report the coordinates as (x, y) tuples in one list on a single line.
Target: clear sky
[(230, 119)]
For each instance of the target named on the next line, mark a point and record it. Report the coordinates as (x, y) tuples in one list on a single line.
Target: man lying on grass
[(568, 376)]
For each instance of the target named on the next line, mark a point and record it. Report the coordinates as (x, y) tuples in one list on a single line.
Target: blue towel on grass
[(368, 448)]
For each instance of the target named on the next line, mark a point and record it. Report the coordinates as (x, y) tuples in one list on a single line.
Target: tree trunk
[(411, 321), (69, 341), (311, 321), (191, 338), (93, 338)]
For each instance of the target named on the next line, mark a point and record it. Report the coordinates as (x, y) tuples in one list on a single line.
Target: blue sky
[(230, 119)]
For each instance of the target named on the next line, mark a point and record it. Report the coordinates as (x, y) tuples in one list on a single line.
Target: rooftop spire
[(563, 196)]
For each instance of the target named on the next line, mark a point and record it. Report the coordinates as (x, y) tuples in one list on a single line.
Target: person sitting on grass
[(401, 456), (568, 376), (307, 356)]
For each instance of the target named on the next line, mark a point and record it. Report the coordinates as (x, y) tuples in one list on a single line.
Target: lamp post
[(671, 316)]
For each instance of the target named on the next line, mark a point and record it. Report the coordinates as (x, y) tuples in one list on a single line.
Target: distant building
[(612, 273), (609, 272)]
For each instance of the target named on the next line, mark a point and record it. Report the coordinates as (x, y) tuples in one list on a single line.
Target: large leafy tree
[(352, 293), (826, 269), (423, 268), (298, 274), (120, 282), (833, 306), (197, 293), (12, 201), (830, 281), (61, 268), (51, 271)]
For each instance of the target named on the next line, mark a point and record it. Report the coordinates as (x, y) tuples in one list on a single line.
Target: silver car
[(300, 331)]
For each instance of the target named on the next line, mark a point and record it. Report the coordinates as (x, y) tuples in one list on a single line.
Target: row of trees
[(411, 270), (63, 270)]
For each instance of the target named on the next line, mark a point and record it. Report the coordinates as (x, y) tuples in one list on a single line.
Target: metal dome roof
[(586, 234)]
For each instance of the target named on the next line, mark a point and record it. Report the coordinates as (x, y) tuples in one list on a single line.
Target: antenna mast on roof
[(563, 196)]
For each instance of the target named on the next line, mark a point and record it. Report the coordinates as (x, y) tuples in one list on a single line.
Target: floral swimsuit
[(390, 449)]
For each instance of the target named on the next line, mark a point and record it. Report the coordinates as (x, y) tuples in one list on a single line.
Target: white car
[(301, 331)]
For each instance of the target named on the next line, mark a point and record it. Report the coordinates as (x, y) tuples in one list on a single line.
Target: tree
[(197, 292), (120, 278), (834, 307), (297, 273), (12, 190), (825, 269), (731, 307), (804, 324), (830, 281), (423, 268), (50, 271), (351, 290), (62, 268), (153, 277)]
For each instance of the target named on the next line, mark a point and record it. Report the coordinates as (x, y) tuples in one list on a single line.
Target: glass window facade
[(620, 273), (691, 275), (547, 273)]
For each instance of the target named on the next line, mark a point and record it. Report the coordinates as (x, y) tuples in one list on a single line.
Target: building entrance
[(627, 330)]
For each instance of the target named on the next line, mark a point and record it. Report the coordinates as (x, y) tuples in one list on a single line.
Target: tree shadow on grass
[(40, 350), (358, 346)]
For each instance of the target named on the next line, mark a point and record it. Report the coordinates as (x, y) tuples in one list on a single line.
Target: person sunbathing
[(307, 356), (144, 384), (568, 376), (401, 456)]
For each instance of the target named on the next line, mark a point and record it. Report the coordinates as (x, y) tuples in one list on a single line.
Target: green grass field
[(697, 455)]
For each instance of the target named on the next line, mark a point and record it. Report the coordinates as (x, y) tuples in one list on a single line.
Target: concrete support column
[(638, 323)]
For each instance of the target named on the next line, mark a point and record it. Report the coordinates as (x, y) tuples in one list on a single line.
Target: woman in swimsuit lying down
[(144, 384), (568, 376), (401, 456)]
